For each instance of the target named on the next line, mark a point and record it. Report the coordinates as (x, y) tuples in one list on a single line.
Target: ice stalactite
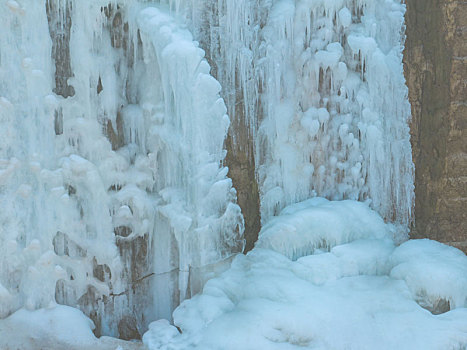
[(113, 190), (319, 86), (337, 119)]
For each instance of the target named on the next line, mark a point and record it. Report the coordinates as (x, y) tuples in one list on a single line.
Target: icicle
[(110, 170)]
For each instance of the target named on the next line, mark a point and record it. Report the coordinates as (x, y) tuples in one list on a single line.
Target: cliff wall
[(435, 61)]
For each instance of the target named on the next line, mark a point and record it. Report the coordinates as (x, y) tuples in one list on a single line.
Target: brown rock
[(435, 61), (127, 328)]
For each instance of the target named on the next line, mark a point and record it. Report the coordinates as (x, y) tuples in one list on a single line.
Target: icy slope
[(360, 292), (113, 194)]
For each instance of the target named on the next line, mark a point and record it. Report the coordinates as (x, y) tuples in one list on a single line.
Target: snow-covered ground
[(323, 275), (328, 275), (56, 327)]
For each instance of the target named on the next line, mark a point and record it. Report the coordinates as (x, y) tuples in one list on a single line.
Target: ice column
[(336, 123), (113, 192), (323, 94)]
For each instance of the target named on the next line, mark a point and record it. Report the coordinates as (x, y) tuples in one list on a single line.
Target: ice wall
[(320, 87), (337, 109), (112, 182), (113, 192)]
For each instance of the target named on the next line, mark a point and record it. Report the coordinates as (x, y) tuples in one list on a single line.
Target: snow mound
[(433, 272), (361, 257), (70, 324), (361, 294), (318, 223), (56, 327)]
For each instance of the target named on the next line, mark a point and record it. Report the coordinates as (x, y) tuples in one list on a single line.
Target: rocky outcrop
[(59, 18), (435, 61)]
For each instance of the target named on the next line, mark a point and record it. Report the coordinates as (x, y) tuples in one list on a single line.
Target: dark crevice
[(59, 19)]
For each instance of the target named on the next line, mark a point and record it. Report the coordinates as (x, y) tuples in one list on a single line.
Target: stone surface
[(435, 61), (59, 18), (441, 306), (242, 171), (127, 328), (240, 145)]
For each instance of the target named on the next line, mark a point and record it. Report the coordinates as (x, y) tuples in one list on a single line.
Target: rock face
[(435, 60), (242, 171), (216, 31)]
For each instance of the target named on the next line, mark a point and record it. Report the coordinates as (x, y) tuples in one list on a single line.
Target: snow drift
[(359, 292)]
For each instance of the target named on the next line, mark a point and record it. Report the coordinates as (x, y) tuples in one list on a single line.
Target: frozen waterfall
[(323, 94), (114, 194)]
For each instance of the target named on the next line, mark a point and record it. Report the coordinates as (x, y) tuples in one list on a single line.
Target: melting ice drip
[(113, 193), (323, 94)]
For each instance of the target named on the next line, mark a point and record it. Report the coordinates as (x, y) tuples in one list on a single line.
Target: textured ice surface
[(359, 292), (317, 223), (320, 87), (113, 194), (336, 106)]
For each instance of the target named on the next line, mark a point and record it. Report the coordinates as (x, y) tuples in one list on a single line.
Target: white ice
[(55, 327), (319, 88), (139, 147)]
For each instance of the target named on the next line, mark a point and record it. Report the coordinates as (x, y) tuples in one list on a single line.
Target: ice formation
[(336, 114), (317, 223), (320, 87), (115, 198), (357, 291), (113, 192)]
